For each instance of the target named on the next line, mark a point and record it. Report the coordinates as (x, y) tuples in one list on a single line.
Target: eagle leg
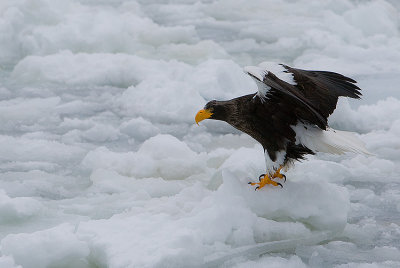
[(264, 180), (277, 174)]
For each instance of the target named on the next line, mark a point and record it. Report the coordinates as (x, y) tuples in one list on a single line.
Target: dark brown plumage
[(269, 116)]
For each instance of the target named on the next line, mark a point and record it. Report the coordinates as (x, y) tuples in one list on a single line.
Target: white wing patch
[(258, 75), (259, 72), (328, 141), (255, 71), (279, 71)]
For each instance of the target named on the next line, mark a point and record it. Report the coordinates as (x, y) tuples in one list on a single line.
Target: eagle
[(288, 115)]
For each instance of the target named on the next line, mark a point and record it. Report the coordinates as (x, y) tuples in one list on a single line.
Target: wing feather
[(323, 88), (271, 87), (313, 94)]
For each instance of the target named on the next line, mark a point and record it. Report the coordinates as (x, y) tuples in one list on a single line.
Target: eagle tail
[(329, 140)]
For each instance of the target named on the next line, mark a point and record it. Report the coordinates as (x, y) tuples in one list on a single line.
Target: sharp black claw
[(284, 176), (280, 184), (262, 175), (256, 188), (249, 182)]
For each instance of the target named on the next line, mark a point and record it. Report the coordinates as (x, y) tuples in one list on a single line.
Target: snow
[(102, 164), (18, 208), (55, 246)]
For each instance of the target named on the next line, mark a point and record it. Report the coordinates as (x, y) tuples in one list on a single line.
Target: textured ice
[(101, 164), (57, 246), (18, 208)]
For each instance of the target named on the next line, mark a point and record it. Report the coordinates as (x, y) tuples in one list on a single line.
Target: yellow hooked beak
[(203, 114)]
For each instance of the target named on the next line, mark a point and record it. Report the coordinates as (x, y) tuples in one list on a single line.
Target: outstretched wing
[(313, 94), (271, 87), (322, 89)]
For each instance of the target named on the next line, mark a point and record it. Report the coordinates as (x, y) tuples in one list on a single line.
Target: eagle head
[(212, 110)]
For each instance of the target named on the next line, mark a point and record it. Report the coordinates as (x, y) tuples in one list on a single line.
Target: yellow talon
[(277, 174), (264, 180)]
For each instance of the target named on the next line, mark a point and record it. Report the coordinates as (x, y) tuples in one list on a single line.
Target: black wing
[(273, 92), (312, 98), (322, 89)]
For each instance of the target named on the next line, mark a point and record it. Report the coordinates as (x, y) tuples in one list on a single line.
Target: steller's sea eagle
[(288, 115)]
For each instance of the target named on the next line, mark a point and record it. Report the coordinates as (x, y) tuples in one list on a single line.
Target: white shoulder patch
[(259, 72), (258, 75), (255, 71), (279, 71)]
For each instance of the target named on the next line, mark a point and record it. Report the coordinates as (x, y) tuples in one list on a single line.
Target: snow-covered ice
[(102, 165)]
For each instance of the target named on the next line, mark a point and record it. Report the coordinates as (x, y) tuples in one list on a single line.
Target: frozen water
[(101, 164)]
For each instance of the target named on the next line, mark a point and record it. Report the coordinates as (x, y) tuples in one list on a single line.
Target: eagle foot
[(277, 174), (264, 180)]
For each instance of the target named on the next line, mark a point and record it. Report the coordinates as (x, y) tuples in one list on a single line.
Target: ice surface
[(57, 246), (18, 208), (101, 164)]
